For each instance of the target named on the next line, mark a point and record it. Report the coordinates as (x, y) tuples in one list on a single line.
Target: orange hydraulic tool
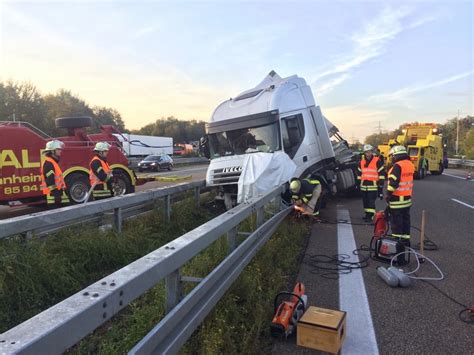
[(288, 312), (380, 225)]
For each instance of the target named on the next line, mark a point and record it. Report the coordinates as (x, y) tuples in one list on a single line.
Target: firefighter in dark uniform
[(371, 174), (52, 180), (100, 173), (306, 195), (399, 193)]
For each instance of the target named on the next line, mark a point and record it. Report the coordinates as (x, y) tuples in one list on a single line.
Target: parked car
[(155, 163)]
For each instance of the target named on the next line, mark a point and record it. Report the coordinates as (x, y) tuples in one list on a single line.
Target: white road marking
[(462, 203), (457, 177), (360, 338)]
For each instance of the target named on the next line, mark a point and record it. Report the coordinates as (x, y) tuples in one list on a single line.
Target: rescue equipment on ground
[(287, 313), (385, 247), (397, 277)]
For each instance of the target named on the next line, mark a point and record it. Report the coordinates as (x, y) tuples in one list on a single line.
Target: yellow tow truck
[(424, 145)]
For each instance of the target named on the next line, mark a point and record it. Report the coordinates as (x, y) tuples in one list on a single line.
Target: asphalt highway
[(414, 320)]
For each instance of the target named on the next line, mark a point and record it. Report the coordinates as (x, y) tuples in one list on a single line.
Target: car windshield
[(152, 158), (413, 152), (246, 140)]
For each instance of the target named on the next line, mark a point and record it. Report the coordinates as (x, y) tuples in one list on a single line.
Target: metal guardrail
[(63, 325), (461, 162), (168, 336), (122, 207)]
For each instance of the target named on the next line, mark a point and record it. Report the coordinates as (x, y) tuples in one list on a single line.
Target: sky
[(371, 64)]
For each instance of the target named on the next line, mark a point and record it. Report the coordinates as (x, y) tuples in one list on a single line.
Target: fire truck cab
[(425, 147), (21, 147)]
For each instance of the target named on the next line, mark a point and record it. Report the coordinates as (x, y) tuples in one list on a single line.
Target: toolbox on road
[(322, 329)]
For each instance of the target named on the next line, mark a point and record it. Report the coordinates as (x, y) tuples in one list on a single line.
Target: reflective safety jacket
[(400, 183), (306, 191), (99, 176), (51, 176), (371, 173), (99, 171)]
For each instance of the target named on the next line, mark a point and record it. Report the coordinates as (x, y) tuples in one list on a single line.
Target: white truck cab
[(278, 115)]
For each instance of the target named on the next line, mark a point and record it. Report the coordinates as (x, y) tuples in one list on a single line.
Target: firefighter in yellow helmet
[(371, 174), (100, 173), (399, 193), (305, 194), (52, 180)]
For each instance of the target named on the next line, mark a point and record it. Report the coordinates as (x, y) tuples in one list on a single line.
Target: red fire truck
[(21, 146)]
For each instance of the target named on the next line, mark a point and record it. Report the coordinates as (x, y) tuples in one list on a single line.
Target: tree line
[(181, 131), (22, 101), (448, 131)]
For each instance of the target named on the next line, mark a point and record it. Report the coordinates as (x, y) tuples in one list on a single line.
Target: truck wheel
[(417, 175), (73, 122), (122, 184), (77, 185), (438, 172)]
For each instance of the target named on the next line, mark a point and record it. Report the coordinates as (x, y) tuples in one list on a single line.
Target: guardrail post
[(168, 207), (260, 216), (197, 196), (231, 239), (278, 203), (173, 290), (118, 220)]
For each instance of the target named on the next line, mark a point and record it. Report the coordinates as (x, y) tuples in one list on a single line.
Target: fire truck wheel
[(73, 122), (440, 171), (78, 187), (122, 184)]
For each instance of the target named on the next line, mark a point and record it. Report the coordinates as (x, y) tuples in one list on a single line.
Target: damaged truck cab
[(276, 126)]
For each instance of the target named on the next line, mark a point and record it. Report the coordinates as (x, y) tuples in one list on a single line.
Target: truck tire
[(122, 183), (420, 174), (438, 172), (73, 122), (77, 185)]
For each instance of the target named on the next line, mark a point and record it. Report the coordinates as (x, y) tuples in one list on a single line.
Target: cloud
[(368, 44), (331, 84), (146, 30), (404, 93)]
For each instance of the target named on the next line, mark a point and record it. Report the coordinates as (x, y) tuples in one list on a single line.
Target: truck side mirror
[(204, 146)]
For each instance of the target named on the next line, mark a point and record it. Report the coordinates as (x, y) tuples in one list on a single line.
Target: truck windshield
[(246, 140), (413, 152)]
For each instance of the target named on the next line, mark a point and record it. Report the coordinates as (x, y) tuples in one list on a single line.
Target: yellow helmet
[(53, 145), (398, 149), (102, 147), (295, 186)]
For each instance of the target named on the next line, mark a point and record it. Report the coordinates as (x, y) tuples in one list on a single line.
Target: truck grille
[(226, 176)]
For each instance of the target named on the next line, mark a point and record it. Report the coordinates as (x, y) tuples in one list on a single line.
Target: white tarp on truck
[(262, 172)]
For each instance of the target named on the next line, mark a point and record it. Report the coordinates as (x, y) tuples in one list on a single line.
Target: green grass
[(240, 321), (40, 273)]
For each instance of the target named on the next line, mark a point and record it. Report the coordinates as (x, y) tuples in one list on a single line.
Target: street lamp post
[(457, 134)]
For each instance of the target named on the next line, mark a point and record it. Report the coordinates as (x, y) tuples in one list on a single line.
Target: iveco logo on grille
[(232, 169)]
